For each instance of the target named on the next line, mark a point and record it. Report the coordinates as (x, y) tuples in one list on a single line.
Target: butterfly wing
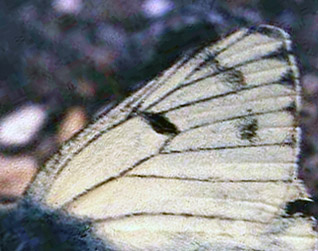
[(205, 156)]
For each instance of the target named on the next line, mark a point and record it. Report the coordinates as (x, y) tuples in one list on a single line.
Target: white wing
[(203, 157)]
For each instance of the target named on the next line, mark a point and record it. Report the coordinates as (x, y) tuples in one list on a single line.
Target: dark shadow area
[(30, 227)]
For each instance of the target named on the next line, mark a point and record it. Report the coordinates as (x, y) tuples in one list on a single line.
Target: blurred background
[(64, 62)]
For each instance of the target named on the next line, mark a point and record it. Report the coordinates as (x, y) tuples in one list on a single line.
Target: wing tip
[(271, 31)]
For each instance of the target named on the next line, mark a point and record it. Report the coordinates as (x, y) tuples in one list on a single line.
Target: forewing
[(203, 157)]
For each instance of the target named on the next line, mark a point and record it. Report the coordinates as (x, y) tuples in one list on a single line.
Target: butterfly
[(204, 157)]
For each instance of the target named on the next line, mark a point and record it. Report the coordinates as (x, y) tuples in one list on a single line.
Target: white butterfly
[(204, 157)]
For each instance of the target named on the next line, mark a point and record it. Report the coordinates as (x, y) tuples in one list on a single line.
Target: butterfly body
[(204, 157)]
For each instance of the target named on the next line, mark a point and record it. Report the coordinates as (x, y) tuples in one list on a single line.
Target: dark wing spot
[(231, 76), (160, 123), (235, 78), (304, 207), (248, 128)]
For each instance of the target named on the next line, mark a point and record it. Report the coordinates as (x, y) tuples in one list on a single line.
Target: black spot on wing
[(235, 78), (160, 123), (303, 207), (248, 129)]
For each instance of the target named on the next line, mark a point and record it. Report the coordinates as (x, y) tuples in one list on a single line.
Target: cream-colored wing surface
[(202, 158)]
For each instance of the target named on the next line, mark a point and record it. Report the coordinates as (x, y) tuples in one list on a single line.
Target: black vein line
[(253, 116), (224, 70), (286, 182), (188, 215), (185, 59), (237, 117), (158, 81), (226, 148), (57, 156), (210, 57), (281, 54), (222, 96), (100, 133), (196, 53), (131, 215), (110, 179), (169, 140), (207, 180), (132, 116), (60, 154), (209, 99)]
